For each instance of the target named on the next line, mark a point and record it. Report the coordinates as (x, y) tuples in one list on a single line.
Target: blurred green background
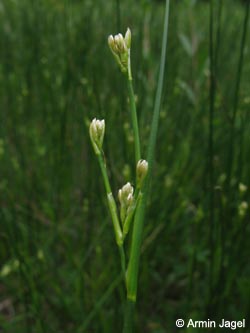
[(59, 266)]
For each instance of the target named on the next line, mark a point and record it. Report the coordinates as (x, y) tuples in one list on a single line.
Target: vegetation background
[(59, 266)]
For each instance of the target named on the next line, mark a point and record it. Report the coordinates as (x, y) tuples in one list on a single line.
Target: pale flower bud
[(117, 39), (130, 199), (141, 171), (120, 195), (111, 43), (125, 191), (120, 45), (96, 132), (120, 39), (128, 38), (126, 198)]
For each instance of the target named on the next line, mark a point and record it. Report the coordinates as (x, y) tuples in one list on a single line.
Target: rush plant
[(132, 201)]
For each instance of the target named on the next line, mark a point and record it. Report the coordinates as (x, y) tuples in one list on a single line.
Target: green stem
[(111, 201), (123, 260), (129, 317), (211, 146), (104, 173), (113, 212), (156, 113), (133, 265), (236, 96), (134, 120)]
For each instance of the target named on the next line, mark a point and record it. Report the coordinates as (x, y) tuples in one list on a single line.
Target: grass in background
[(57, 252)]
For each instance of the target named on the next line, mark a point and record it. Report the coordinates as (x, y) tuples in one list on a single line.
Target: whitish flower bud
[(117, 39), (96, 132), (111, 43), (130, 199), (126, 198), (141, 171), (120, 47), (128, 38)]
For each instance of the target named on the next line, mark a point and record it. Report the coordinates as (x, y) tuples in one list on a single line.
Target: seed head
[(96, 132), (141, 171)]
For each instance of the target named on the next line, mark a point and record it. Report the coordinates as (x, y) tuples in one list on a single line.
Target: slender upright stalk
[(134, 115), (236, 96), (113, 212), (134, 120), (220, 233), (211, 146), (133, 265), (218, 34), (111, 201), (129, 317)]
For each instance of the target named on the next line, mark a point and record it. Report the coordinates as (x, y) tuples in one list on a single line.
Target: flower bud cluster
[(126, 198), (120, 47), (96, 132)]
